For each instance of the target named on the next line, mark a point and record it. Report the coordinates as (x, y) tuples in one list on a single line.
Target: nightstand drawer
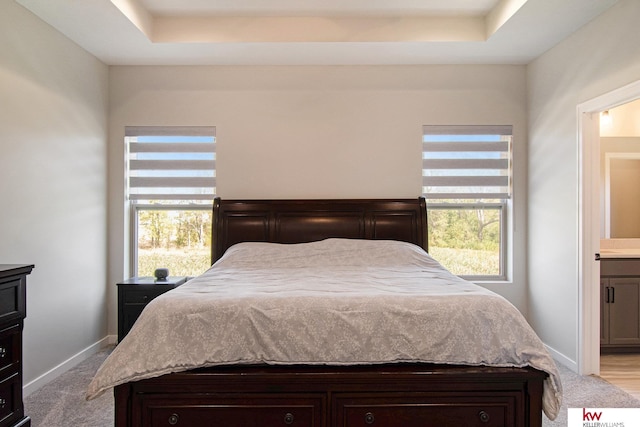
[(142, 296), (10, 346)]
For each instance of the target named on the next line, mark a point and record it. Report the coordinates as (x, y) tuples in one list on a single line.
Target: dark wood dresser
[(13, 310)]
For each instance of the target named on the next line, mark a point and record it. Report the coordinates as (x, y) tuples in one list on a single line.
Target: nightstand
[(135, 293)]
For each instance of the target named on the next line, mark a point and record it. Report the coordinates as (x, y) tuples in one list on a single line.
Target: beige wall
[(287, 132), (53, 110), (600, 57)]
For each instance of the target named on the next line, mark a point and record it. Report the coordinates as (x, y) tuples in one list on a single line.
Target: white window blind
[(171, 164), (466, 162)]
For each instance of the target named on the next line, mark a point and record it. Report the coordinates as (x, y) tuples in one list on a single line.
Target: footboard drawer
[(428, 410), (291, 411)]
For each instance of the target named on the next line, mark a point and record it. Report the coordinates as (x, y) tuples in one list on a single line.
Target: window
[(466, 172), (171, 182)]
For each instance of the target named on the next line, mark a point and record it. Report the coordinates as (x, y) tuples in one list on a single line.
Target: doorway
[(589, 215)]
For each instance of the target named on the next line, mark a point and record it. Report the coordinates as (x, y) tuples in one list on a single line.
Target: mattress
[(332, 302)]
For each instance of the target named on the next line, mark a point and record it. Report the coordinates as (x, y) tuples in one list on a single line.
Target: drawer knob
[(288, 418), (3, 402), (369, 418), (173, 419), (3, 352), (484, 417)]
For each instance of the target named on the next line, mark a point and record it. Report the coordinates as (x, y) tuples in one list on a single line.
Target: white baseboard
[(71, 362), (562, 359)]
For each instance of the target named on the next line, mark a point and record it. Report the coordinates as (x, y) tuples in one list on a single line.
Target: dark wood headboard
[(301, 221)]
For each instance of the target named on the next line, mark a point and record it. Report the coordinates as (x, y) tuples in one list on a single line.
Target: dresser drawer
[(11, 408), (425, 411), (10, 348), (12, 300), (294, 411)]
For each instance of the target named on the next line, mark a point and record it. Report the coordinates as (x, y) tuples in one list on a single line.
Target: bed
[(328, 313)]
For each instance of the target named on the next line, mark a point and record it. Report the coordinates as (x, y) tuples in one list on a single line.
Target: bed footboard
[(389, 396)]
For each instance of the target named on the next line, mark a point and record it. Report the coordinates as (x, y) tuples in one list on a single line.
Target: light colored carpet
[(61, 403), (588, 392)]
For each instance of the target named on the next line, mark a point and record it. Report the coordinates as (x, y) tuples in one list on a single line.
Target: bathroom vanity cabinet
[(620, 304)]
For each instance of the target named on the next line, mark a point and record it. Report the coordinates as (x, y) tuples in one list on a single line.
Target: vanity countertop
[(620, 248), (620, 253)]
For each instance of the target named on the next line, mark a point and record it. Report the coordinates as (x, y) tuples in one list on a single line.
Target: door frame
[(588, 337)]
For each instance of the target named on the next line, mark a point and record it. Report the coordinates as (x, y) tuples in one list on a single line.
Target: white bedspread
[(337, 301)]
